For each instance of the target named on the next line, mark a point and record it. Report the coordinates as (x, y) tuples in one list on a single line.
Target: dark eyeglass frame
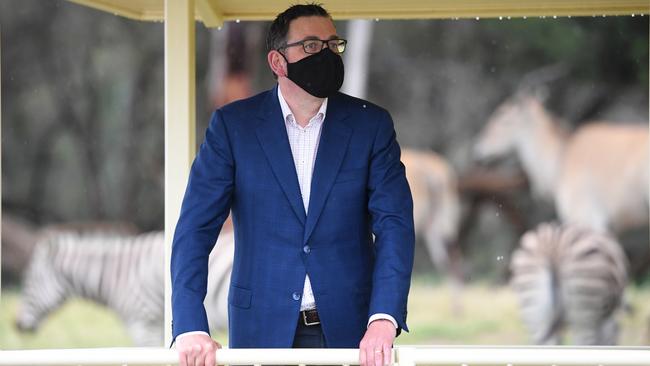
[(340, 42)]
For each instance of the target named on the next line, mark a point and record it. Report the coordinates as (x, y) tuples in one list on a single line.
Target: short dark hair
[(277, 34)]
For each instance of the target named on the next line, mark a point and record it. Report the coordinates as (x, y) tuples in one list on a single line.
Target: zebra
[(569, 277), (122, 272)]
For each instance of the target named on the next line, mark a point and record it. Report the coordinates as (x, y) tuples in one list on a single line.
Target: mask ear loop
[(285, 59), (283, 56)]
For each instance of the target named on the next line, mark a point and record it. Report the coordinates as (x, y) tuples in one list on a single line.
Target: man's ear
[(277, 63)]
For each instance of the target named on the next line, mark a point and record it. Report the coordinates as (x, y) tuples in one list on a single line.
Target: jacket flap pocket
[(239, 297)]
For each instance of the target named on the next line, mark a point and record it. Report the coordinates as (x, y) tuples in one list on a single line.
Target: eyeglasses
[(313, 46)]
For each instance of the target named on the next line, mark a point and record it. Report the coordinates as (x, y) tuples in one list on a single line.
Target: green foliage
[(613, 49)]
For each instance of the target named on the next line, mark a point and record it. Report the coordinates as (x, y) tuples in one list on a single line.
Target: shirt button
[(296, 296), (306, 249)]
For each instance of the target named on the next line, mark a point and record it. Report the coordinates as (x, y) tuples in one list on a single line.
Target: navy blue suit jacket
[(358, 189)]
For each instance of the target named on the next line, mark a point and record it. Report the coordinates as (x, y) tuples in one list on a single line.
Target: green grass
[(78, 324), (479, 315), (487, 315)]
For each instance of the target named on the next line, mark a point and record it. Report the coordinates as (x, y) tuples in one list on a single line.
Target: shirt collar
[(286, 111)]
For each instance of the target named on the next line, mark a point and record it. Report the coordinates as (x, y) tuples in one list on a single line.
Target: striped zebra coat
[(122, 272), (567, 277)]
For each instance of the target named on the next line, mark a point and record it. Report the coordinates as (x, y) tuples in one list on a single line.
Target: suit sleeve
[(391, 208), (205, 207)]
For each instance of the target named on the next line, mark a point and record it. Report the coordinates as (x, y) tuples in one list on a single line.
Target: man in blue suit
[(321, 208)]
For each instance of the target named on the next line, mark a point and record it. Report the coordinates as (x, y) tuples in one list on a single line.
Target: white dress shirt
[(304, 146)]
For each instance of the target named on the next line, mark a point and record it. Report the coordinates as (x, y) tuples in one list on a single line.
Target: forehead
[(312, 26)]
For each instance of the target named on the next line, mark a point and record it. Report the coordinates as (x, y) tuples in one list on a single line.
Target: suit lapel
[(272, 135), (335, 137)]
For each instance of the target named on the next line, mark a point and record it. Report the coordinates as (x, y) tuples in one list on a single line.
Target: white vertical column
[(357, 57), (180, 116)]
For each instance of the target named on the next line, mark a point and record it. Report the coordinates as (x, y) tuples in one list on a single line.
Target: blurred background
[(82, 140)]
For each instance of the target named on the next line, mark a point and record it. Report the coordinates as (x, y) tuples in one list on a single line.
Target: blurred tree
[(84, 117)]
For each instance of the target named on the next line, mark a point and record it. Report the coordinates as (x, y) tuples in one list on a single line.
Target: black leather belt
[(309, 317)]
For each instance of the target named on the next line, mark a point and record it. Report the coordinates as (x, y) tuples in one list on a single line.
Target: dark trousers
[(309, 336)]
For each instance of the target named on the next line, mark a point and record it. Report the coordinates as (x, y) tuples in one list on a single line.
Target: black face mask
[(320, 74)]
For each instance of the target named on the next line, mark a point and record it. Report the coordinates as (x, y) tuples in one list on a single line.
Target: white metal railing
[(528, 356), (403, 356)]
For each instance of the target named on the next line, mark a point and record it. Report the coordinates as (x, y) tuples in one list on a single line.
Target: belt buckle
[(304, 318)]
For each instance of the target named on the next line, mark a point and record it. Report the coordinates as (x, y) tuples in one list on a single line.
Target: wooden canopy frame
[(214, 12)]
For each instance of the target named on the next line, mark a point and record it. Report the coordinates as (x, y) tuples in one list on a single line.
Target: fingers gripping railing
[(402, 355)]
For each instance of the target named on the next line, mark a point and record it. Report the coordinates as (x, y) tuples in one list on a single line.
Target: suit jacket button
[(296, 296), (306, 249)]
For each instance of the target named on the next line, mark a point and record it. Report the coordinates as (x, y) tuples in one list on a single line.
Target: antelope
[(435, 202), (436, 214), (597, 177)]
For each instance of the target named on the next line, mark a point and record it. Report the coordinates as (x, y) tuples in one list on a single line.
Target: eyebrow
[(314, 37)]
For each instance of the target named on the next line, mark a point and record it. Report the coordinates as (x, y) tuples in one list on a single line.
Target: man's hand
[(376, 347), (197, 350)]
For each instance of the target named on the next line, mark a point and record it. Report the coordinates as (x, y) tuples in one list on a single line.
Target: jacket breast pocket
[(240, 297), (352, 175)]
